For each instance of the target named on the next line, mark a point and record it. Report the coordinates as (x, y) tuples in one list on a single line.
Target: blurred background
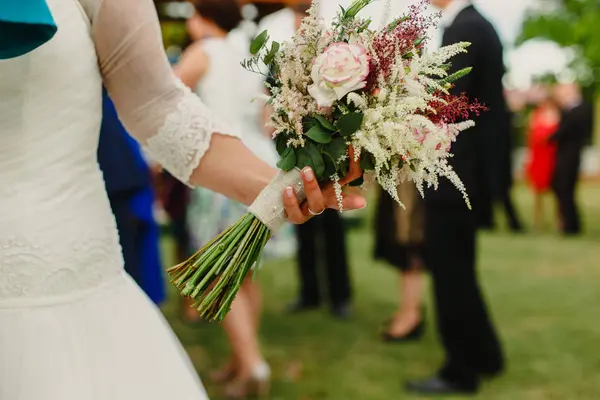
[(541, 279)]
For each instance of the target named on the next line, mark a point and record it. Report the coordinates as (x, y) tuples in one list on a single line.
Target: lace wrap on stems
[(268, 206), (185, 136)]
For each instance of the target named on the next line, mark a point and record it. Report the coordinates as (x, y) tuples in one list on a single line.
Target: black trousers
[(130, 238), (565, 186), (470, 342), (323, 240)]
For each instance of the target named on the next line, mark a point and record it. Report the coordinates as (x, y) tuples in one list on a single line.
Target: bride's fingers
[(354, 171), (292, 208), (314, 196), (353, 202)]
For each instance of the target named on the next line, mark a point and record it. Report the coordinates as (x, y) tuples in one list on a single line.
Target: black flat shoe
[(436, 386), (415, 334)]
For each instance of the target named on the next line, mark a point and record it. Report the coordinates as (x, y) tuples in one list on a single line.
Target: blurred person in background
[(472, 349), (503, 178), (323, 239), (211, 67), (575, 128), (543, 123), (128, 183), (399, 241)]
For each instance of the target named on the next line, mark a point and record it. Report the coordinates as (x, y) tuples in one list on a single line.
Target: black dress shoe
[(415, 334), (301, 305), (341, 311), (436, 386)]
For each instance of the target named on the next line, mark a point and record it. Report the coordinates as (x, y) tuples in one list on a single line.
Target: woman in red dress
[(542, 154)]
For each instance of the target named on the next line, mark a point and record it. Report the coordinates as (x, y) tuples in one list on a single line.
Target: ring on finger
[(314, 213)]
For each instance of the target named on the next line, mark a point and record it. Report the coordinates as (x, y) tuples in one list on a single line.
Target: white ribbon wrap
[(268, 206)]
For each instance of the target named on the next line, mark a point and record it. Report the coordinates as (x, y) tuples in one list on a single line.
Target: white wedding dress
[(73, 325)]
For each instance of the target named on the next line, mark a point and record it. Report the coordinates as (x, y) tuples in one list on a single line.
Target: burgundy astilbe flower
[(455, 109), (401, 36)]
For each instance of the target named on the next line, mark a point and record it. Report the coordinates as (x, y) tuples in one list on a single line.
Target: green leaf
[(319, 134), (336, 149), (281, 143), (367, 162), (308, 123), (270, 57), (275, 46), (330, 165), (310, 156), (358, 182), (325, 123), (258, 42), (343, 168), (288, 160), (349, 123)]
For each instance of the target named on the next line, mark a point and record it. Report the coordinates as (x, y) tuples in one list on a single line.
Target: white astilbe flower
[(338, 191)]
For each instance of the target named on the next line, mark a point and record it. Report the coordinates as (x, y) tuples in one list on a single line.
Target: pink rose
[(341, 69)]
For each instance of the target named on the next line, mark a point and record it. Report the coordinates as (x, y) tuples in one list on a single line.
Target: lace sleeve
[(155, 107)]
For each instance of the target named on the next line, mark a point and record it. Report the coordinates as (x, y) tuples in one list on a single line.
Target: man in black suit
[(574, 130), (470, 342)]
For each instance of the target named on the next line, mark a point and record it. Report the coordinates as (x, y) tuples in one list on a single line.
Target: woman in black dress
[(399, 241)]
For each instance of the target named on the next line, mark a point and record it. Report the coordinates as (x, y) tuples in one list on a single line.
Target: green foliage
[(570, 24), (310, 156), (319, 134), (324, 122), (288, 159), (349, 123), (259, 42)]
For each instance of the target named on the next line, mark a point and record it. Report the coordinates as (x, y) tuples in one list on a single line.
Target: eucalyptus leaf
[(269, 58), (258, 42), (325, 123), (310, 156), (349, 123), (275, 46), (288, 160)]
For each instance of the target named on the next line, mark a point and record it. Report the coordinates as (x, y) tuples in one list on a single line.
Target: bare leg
[(252, 290), (250, 295), (411, 295), (240, 328)]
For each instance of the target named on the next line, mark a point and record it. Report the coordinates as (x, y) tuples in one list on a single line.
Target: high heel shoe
[(415, 334), (258, 383), (223, 375)]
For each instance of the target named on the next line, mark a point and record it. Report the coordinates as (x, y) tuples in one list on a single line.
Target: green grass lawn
[(544, 292)]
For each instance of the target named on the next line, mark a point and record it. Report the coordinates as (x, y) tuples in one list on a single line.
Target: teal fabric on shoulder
[(25, 25)]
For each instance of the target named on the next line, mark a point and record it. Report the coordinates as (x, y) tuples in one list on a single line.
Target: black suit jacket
[(574, 130), (476, 147)]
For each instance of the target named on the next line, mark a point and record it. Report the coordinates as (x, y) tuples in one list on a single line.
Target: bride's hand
[(319, 198)]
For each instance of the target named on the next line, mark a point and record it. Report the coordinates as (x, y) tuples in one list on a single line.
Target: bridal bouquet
[(333, 87)]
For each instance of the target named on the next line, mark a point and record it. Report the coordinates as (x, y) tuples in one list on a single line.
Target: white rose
[(341, 69)]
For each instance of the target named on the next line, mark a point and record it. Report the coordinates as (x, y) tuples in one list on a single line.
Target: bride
[(74, 326)]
